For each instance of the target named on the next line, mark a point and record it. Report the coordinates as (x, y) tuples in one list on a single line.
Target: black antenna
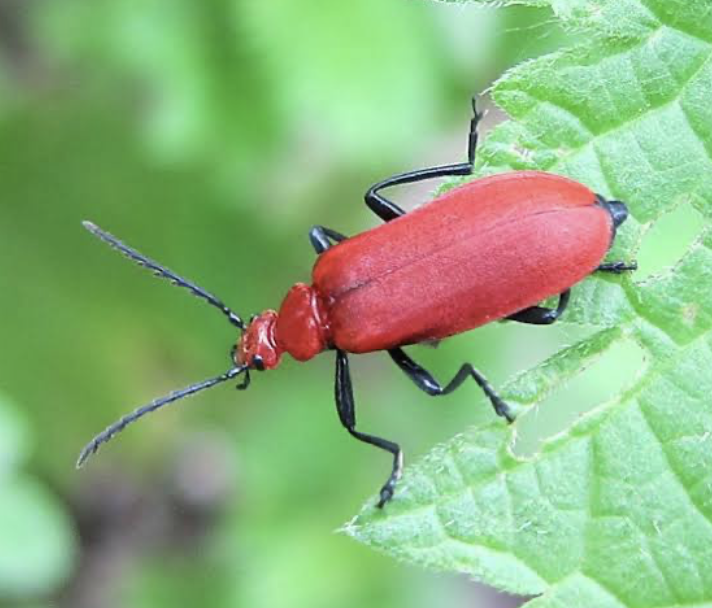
[(164, 272), (122, 423)]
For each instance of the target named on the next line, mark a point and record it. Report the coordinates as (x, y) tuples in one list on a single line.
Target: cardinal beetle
[(488, 250)]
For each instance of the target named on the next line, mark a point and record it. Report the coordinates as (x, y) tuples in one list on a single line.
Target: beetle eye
[(259, 363)]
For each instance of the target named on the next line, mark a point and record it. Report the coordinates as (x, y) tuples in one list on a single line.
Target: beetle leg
[(539, 315), (388, 210), (245, 384), (425, 381), (321, 238), (344, 394), (617, 267)]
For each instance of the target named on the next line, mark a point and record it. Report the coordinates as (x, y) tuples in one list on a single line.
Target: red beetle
[(490, 249)]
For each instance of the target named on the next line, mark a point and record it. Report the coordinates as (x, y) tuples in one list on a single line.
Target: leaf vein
[(672, 26), (675, 473)]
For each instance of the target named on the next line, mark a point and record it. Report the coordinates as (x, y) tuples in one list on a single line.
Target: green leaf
[(221, 82), (199, 88), (616, 510), (36, 545), (36, 541), (336, 87)]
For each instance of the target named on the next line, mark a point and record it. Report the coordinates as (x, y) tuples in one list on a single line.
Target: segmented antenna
[(161, 271), (122, 423)]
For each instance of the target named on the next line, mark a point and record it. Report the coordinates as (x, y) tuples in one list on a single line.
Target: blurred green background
[(211, 135)]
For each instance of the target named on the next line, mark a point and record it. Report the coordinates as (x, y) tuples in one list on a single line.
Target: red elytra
[(490, 249), (476, 254)]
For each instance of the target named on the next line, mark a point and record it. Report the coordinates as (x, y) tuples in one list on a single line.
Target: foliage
[(36, 544), (195, 106), (617, 510), (210, 135), (130, 114)]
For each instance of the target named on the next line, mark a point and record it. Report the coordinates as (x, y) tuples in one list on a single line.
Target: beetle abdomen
[(479, 253)]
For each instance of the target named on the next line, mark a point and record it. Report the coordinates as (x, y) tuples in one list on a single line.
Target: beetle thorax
[(302, 329), (299, 329)]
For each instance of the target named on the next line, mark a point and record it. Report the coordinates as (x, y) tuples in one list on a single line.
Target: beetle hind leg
[(345, 407), (425, 381), (540, 315)]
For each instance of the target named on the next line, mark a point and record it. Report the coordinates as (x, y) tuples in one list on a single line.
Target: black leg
[(347, 414), (321, 238), (539, 315), (387, 210), (617, 267), (246, 375), (245, 384), (425, 381)]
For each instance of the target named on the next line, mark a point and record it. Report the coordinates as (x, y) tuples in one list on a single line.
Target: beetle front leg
[(322, 238), (345, 406), (539, 315), (425, 381), (388, 210)]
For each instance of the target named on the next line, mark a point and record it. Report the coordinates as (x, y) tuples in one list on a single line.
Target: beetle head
[(257, 348)]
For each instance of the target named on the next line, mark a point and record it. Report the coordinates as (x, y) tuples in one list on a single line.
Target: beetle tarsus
[(386, 494), (617, 267), (502, 409), (244, 385), (389, 487)]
